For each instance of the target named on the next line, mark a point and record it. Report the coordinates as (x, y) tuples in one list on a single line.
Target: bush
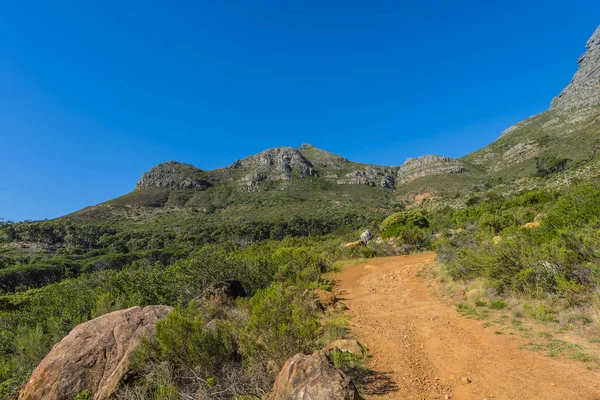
[(184, 342), (395, 224), (282, 323)]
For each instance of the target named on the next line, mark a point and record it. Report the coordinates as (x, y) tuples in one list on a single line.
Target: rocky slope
[(584, 89), (423, 166), (568, 129)]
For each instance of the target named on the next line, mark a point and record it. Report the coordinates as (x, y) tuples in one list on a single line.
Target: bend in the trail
[(421, 348)]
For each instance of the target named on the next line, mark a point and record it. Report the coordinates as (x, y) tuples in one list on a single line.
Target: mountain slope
[(568, 129)]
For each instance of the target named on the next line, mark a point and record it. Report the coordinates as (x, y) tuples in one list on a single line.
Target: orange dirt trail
[(421, 348)]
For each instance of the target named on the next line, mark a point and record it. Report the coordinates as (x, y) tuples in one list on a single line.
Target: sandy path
[(422, 348)]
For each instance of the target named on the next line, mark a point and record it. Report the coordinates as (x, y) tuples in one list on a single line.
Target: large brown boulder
[(94, 356), (312, 377)]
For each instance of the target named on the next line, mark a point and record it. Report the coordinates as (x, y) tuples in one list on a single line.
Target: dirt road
[(421, 348)]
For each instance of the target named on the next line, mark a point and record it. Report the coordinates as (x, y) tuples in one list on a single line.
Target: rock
[(366, 236), (584, 89), (324, 298), (465, 379), (371, 175), (226, 290), (340, 307), (312, 377), (94, 356), (415, 168), (349, 345), (274, 164), (173, 174)]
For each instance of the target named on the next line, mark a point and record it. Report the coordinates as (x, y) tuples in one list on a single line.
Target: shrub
[(183, 341), (281, 324), (393, 225)]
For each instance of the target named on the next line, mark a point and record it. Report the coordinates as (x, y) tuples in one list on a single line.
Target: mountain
[(308, 181), (569, 130)]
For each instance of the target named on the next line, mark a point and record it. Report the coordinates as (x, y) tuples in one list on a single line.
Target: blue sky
[(92, 94)]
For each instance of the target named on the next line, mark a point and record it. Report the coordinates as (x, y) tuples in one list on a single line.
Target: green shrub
[(395, 223), (183, 341), (84, 395), (282, 323), (497, 304)]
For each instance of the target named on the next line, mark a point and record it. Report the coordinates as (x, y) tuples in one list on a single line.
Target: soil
[(420, 347)]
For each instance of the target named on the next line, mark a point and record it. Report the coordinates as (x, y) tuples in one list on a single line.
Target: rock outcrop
[(371, 175), (423, 166), (312, 377), (584, 89), (173, 174), (279, 163), (94, 356)]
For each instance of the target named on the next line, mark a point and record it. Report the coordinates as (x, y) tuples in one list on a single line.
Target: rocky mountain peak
[(173, 174), (278, 163), (584, 89)]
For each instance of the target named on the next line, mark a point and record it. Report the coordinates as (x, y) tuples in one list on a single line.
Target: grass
[(471, 312), (497, 305), (556, 348)]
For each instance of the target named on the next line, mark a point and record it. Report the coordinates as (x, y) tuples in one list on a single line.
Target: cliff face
[(423, 166), (568, 129), (584, 89)]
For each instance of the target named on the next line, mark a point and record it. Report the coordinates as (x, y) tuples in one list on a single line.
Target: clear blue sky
[(93, 93)]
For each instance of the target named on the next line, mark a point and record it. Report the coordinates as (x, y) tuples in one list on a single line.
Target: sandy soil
[(421, 348)]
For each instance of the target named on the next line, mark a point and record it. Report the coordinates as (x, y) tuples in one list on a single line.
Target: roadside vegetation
[(533, 256), (210, 346)]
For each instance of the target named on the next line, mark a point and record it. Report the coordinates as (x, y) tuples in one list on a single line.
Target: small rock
[(366, 236), (348, 345), (466, 379), (312, 377), (324, 298)]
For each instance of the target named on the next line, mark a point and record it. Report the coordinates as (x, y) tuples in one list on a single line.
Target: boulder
[(324, 298), (94, 356), (223, 291), (347, 345), (366, 236), (312, 377)]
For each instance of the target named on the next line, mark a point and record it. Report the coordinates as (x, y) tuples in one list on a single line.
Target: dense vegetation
[(57, 274)]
